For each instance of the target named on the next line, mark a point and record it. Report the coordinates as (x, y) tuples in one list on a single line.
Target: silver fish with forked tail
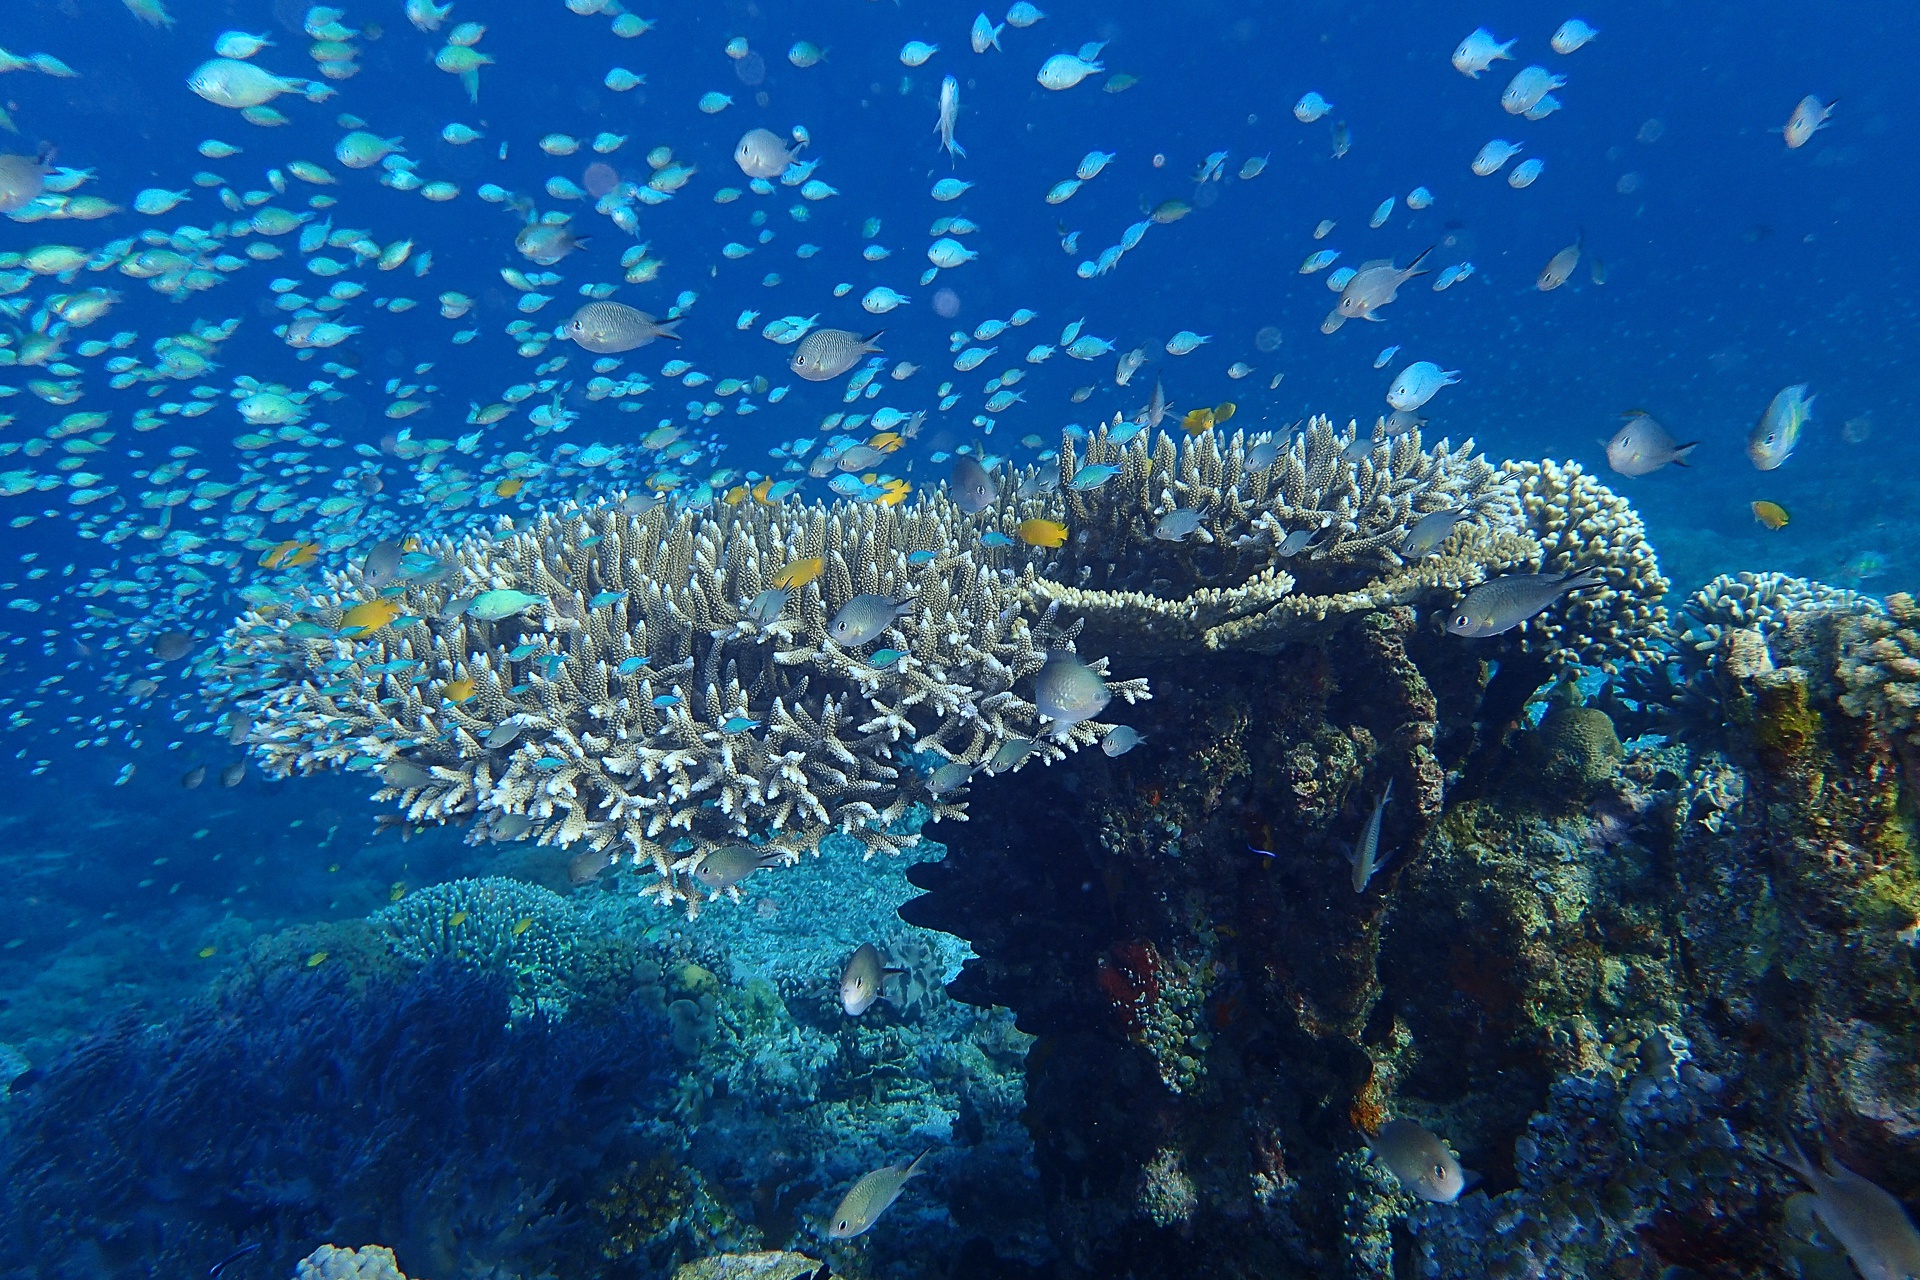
[(1503, 604)]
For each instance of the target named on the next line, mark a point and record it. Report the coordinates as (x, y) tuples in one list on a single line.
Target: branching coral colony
[(667, 684)]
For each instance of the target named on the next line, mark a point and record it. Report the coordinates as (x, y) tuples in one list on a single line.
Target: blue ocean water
[(1718, 267)]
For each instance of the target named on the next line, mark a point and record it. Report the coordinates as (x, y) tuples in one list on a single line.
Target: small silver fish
[(503, 734), (1376, 284), (382, 564), (1420, 1160), (1432, 530), (1366, 850), (608, 328), (1642, 446), (1262, 455), (1068, 691), (950, 776), (1156, 409), (1503, 604), (863, 980), (870, 1197), (825, 354), (766, 607), (725, 867), (1178, 524), (233, 773), (1560, 266), (973, 488), (404, 775), (1010, 753), (1294, 543), (1121, 739), (864, 617)]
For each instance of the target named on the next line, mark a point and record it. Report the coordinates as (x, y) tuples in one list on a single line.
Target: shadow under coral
[(311, 1108)]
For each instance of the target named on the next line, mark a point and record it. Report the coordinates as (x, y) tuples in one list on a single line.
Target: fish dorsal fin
[(1371, 263)]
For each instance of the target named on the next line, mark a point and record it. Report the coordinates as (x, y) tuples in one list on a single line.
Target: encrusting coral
[(665, 683)]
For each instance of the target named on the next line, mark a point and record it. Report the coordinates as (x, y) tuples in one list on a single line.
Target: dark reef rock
[(1608, 977)]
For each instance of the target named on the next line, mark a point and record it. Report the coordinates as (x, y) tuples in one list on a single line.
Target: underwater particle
[(870, 1197), (862, 980), (1770, 514)]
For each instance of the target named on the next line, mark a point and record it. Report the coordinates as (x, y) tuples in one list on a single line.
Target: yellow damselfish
[(460, 690), (800, 573), (1770, 514), (371, 616), (1042, 533)]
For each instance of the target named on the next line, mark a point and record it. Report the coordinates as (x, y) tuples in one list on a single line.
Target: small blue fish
[(665, 699), (918, 558), (994, 538), (1093, 475), (1121, 739), (630, 665), (885, 657), (521, 653), (739, 724), (606, 598)]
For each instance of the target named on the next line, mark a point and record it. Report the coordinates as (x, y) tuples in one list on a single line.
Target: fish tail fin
[(471, 79), (1680, 452), (872, 338), (669, 329), (915, 1166), (1796, 1160), (1592, 576), (1413, 268), (955, 151)]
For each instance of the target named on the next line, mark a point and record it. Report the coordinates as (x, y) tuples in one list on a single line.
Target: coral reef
[(522, 931), (1880, 665), (315, 1109), (331, 1262), (1760, 602), (773, 1265), (1244, 579), (643, 684), (1286, 551)]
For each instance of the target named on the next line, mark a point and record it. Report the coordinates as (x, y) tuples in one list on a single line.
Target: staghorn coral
[(1880, 665), (522, 931), (639, 701), (331, 1262)]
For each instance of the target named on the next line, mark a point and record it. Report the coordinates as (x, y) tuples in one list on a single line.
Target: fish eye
[(1461, 620)]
